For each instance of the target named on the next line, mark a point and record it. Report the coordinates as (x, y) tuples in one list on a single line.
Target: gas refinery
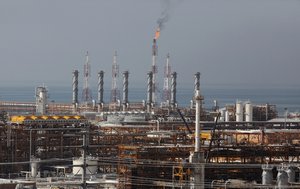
[(149, 144)]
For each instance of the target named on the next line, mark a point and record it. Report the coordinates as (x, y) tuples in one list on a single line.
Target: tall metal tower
[(115, 75), (86, 92), (154, 71), (167, 82)]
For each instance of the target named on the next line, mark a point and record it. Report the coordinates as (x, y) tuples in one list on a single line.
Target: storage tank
[(92, 166), (239, 111), (267, 175), (248, 112), (226, 116), (282, 179), (291, 174), (34, 166)]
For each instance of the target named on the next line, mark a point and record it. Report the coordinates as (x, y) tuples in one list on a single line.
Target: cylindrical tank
[(267, 175), (92, 166), (282, 178), (34, 166), (222, 117), (226, 115), (239, 111), (291, 174), (248, 112)]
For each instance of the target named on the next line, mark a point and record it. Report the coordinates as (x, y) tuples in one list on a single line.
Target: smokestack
[(198, 156), (149, 91), (75, 90), (125, 90), (197, 129), (196, 87), (154, 70), (173, 89), (197, 82), (100, 90)]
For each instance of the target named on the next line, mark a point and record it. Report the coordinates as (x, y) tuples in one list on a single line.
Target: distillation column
[(149, 91), (100, 90), (125, 90), (75, 91), (173, 89)]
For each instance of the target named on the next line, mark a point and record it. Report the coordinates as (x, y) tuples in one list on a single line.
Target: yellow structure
[(47, 119)]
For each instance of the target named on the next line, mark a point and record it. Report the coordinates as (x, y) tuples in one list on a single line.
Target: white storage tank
[(226, 116), (239, 111), (92, 166), (248, 112), (34, 164), (267, 175)]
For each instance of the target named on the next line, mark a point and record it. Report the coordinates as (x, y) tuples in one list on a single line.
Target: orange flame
[(157, 33)]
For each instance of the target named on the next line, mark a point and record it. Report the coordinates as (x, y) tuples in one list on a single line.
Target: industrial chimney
[(100, 90), (173, 89), (75, 90), (125, 90), (149, 91)]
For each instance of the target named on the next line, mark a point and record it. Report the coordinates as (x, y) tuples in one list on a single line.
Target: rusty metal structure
[(152, 153)]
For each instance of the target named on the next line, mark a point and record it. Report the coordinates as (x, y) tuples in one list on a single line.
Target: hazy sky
[(231, 42)]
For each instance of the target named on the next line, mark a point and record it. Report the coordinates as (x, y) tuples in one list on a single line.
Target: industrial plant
[(149, 144)]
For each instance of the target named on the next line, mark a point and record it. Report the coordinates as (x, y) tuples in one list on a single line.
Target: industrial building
[(120, 144)]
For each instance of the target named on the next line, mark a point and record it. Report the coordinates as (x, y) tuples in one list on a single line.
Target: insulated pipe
[(75, 89), (125, 90), (149, 91), (173, 89)]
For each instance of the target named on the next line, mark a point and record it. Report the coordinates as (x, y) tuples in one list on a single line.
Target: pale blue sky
[(231, 42)]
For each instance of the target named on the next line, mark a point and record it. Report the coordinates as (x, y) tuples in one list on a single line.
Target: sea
[(285, 99)]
